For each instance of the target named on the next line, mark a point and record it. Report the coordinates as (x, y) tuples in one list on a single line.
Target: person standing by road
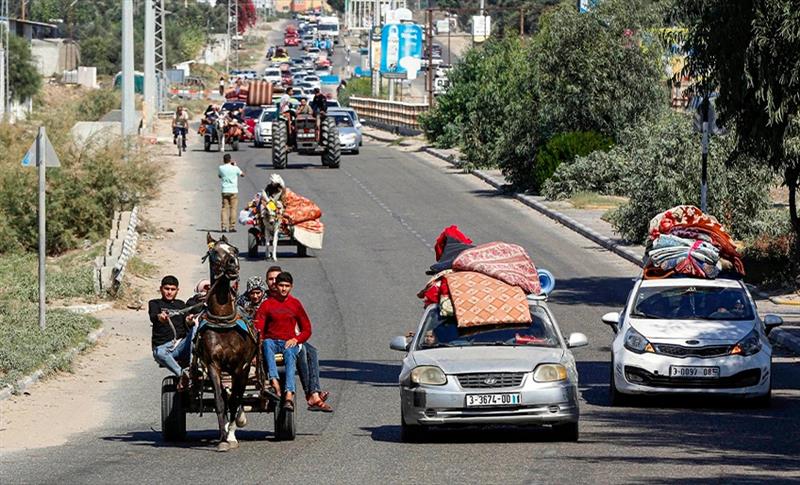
[(229, 175), (222, 86)]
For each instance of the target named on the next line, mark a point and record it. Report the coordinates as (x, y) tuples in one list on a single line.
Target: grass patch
[(141, 268), (593, 200), (68, 277), (26, 348)]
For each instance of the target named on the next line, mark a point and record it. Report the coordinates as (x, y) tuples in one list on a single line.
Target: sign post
[(43, 154)]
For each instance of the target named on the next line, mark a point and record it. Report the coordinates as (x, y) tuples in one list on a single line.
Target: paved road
[(383, 210)]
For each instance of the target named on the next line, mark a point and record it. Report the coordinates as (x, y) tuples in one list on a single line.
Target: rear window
[(692, 303)]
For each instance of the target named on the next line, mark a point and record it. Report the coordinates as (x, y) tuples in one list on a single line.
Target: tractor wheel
[(332, 151), (280, 150), (173, 415)]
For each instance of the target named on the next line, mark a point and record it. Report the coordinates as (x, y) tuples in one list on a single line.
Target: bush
[(664, 171), (357, 86), (601, 172), (564, 148)]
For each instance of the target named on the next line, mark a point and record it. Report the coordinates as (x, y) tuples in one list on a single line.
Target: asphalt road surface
[(382, 211)]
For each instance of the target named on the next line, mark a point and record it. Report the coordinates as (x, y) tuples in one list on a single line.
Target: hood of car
[(703, 330), (459, 360), (347, 130)]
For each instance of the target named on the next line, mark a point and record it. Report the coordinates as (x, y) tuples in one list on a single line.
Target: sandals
[(288, 404), (320, 406)]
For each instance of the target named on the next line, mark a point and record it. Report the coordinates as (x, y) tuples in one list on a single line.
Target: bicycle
[(181, 142)]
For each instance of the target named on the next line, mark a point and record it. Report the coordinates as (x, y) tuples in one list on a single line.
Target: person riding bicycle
[(180, 125)]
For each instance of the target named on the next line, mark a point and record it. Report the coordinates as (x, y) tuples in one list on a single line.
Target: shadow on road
[(205, 440), (467, 434), (593, 291), (375, 373)]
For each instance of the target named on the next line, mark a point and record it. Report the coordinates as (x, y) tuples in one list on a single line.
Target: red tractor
[(303, 134)]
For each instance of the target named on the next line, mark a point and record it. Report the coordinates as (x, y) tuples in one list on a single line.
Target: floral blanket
[(506, 262), (482, 300)]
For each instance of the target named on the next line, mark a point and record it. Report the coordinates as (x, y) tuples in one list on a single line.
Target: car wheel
[(616, 398), (409, 433), (566, 432)]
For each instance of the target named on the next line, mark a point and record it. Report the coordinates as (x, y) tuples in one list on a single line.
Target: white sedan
[(263, 128), (688, 336)]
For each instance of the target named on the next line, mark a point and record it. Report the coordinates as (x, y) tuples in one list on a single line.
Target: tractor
[(299, 133)]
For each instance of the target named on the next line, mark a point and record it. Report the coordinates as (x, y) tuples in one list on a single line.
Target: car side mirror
[(771, 321), (611, 319), (400, 343), (577, 340), (362, 120)]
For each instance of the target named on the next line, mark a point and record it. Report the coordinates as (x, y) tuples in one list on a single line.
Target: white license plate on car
[(694, 371), (505, 399)]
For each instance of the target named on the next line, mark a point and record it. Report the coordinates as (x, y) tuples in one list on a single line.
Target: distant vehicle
[(329, 26), (357, 122), (685, 335), (442, 26), (313, 53), (349, 136), (523, 374), (273, 75), (251, 114), (313, 80), (263, 127)]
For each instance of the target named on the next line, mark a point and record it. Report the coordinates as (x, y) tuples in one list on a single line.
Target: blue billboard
[(401, 48)]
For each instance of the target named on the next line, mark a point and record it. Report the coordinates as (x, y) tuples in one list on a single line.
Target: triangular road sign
[(50, 159)]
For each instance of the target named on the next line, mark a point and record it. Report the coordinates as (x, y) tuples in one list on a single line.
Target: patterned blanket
[(506, 262), (481, 300)]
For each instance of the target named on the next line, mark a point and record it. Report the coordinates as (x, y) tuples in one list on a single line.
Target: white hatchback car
[(688, 335), (262, 134)]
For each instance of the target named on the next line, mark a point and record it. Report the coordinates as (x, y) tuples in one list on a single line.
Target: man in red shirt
[(278, 320)]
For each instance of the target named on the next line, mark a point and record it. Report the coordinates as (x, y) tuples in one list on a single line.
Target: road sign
[(401, 44), (50, 157)]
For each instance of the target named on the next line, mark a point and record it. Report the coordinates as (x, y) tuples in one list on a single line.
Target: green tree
[(750, 52), (24, 80)]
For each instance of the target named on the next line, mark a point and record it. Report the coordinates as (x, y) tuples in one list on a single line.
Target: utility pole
[(160, 54), (522, 22), (5, 94), (149, 64), (429, 54), (128, 107), (704, 107), (376, 73)]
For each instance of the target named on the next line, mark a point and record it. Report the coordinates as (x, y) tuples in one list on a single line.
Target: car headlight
[(749, 345), (635, 342), (549, 373), (349, 137), (429, 375)]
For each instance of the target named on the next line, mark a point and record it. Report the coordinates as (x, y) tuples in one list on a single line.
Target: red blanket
[(509, 263)]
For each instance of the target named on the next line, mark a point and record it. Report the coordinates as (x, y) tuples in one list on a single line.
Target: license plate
[(697, 372), (507, 399)]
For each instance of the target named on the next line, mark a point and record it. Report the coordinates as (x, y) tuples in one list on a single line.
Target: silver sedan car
[(512, 374)]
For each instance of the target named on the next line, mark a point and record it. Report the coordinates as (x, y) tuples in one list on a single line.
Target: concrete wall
[(54, 56)]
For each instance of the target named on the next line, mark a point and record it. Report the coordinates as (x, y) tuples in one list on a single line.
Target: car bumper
[(551, 404), (649, 373), (349, 145), (264, 139)]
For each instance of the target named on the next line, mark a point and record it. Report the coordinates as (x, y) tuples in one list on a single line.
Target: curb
[(83, 309), (26, 382), (786, 339), (783, 301), (379, 138)]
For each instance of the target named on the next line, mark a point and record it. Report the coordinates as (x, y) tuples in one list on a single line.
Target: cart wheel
[(235, 145), (252, 244), (284, 424), (302, 251), (207, 145), (173, 415)]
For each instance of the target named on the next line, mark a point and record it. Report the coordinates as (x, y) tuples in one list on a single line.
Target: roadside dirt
[(35, 418)]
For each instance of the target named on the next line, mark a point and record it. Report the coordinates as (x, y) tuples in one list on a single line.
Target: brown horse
[(223, 347)]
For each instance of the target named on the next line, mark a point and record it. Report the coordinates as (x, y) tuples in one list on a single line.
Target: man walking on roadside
[(229, 175)]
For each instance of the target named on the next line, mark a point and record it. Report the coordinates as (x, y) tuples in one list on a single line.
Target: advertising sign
[(401, 50), (481, 28)]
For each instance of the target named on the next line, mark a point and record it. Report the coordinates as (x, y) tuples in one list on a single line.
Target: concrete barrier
[(120, 248)]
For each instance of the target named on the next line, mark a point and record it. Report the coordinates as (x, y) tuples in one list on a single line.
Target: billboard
[(401, 50)]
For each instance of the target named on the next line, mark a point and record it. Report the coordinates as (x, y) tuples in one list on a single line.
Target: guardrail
[(120, 247), (389, 113)]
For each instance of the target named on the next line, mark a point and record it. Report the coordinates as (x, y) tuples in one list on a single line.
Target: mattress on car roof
[(479, 299)]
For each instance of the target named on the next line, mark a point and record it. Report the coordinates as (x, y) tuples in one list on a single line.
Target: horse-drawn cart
[(199, 399)]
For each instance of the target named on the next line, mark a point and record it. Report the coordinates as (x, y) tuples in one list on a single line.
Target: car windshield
[(438, 331), (692, 303), (232, 106), (343, 120), (269, 115)]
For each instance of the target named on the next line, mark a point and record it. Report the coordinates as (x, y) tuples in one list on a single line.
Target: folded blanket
[(685, 256), (451, 248), (506, 262), (481, 300)]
